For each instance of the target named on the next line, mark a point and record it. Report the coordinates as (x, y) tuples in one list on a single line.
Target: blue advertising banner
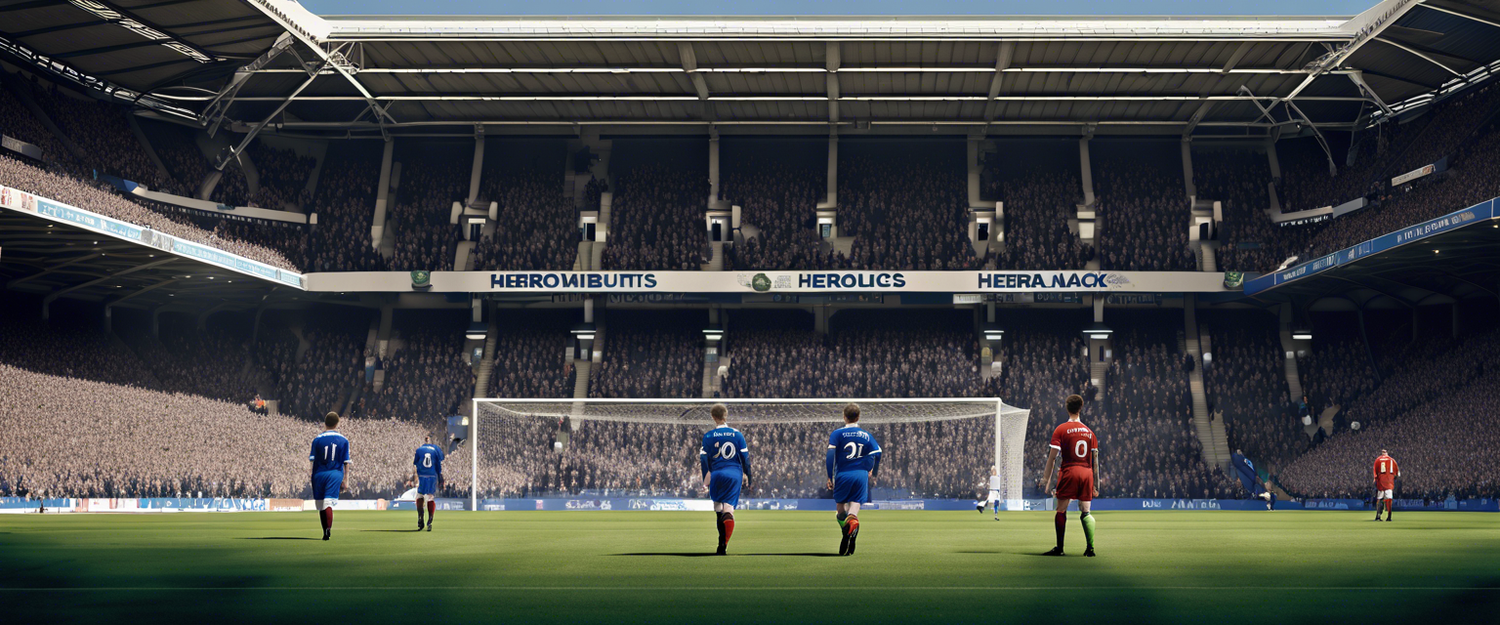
[(1447, 223)]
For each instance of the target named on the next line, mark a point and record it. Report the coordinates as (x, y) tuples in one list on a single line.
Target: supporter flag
[(421, 280), (1234, 279)]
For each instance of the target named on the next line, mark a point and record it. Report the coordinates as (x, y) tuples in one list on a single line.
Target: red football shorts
[(1076, 482)]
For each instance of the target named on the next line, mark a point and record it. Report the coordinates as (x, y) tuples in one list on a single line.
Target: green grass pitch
[(647, 567)]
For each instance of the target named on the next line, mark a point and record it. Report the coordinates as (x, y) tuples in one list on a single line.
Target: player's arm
[(703, 464), (745, 461), (348, 464), (1094, 458), (875, 457), (1046, 481), (828, 463)]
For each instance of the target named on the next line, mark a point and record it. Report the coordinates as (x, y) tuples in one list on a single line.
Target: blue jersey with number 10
[(853, 449), (429, 461), (723, 448), (330, 452)]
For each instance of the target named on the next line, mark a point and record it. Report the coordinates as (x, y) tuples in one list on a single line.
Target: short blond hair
[(718, 412)]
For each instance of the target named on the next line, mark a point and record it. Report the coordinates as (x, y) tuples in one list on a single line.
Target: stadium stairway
[(716, 260), (1212, 439), (487, 362), (606, 201)]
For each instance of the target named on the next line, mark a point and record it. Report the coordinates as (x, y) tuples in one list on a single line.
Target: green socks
[(1088, 528)]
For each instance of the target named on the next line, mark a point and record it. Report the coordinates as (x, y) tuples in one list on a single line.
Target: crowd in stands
[(867, 355), (1239, 179), (1444, 446), (1041, 360), (75, 192), (536, 227), (432, 179), (1245, 384), (1336, 372), (1142, 209), (428, 376), (72, 436), (208, 362), (101, 130), (1148, 446), (344, 202), (1037, 206), (652, 354), (906, 205), (321, 376), (531, 358), (86, 416), (777, 187), (657, 218)]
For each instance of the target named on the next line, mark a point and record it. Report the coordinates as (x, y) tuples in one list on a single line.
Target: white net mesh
[(934, 448)]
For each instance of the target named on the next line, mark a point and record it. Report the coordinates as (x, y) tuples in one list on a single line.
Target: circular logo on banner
[(761, 283)]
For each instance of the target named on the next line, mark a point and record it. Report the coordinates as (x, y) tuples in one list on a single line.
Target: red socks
[(1061, 523), (431, 510), (326, 516), (728, 528)]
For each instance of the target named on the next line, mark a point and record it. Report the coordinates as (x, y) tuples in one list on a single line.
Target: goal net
[(938, 448)]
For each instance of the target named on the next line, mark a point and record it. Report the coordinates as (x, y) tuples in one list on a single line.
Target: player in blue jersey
[(330, 464), (725, 460), (429, 464), (853, 459)]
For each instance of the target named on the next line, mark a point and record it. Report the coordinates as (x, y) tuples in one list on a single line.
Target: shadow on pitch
[(700, 554), (396, 531), (277, 538)]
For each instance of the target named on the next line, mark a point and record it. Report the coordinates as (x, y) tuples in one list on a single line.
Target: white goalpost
[(532, 418)]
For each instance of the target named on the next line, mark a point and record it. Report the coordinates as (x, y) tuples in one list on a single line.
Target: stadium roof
[(405, 74)]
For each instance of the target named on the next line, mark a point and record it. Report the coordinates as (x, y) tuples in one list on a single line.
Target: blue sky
[(839, 7)]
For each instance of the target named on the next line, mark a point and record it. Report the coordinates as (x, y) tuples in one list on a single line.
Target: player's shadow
[(277, 538), (396, 531), (700, 554)]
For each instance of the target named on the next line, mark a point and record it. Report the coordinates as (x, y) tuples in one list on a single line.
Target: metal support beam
[(1239, 54), (1333, 168), (1467, 16), (213, 114), (334, 57), (1370, 24), (139, 292), (833, 59), (1420, 55), (1198, 116), (234, 152), (52, 297), (1003, 59), (1359, 81), (51, 269)]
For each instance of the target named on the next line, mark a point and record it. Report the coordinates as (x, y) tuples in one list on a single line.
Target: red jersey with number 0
[(1073, 441), (1385, 473)]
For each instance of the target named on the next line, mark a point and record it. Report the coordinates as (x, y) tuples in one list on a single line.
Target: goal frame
[(474, 412)]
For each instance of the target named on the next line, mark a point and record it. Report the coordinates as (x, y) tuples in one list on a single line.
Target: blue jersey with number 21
[(853, 449)]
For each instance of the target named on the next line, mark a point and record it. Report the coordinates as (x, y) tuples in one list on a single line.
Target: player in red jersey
[(1078, 477), (1386, 473)]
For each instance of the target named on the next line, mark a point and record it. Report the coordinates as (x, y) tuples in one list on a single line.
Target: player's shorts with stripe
[(851, 487), (427, 484), (724, 486), (1076, 482), (326, 485)]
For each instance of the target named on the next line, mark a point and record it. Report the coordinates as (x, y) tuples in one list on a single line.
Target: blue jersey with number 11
[(330, 452), (429, 461)]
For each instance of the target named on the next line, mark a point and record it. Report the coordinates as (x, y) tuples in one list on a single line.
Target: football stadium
[(752, 319)]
